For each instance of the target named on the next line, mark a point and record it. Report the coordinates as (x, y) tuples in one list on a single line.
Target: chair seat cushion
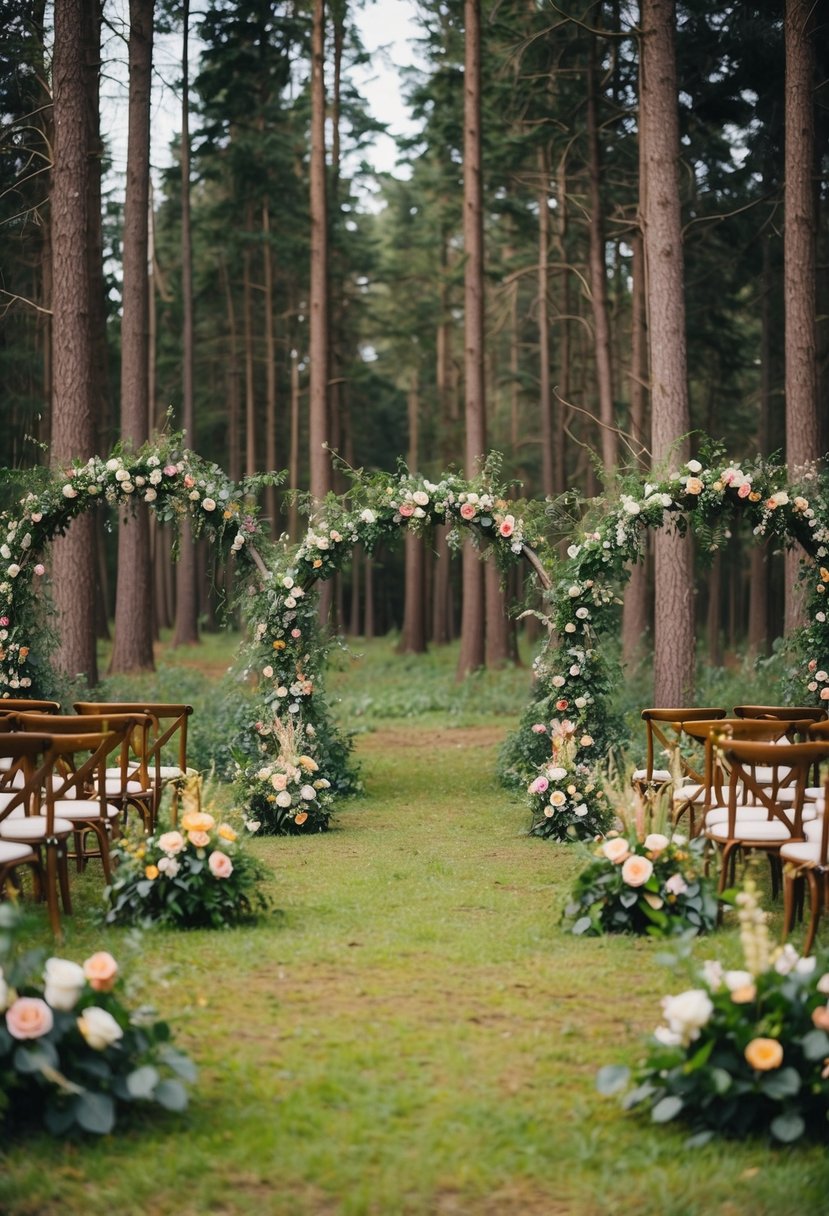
[(114, 788), (812, 830), (17, 781), (692, 792), (803, 852), (171, 772), (32, 827), (660, 775), (748, 814), (10, 852), (765, 774), (83, 809), (760, 831)]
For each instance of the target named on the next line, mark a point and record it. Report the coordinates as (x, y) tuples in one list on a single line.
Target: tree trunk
[(133, 646), (320, 465), (670, 423), (74, 432), (413, 636), (187, 629), (270, 369), (472, 652), (635, 615), (545, 405), (799, 269), (560, 412), (758, 583), (293, 454), (598, 273)]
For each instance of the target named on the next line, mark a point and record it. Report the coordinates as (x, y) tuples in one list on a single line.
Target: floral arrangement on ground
[(652, 884), (566, 797), (743, 1052), (72, 1055), (287, 795), (198, 874)]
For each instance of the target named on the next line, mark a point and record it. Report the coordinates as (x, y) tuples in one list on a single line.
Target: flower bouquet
[(287, 796), (566, 798), (72, 1055), (197, 875), (652, 884), (742, 1052)]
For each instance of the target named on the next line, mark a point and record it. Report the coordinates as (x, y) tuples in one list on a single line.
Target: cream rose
[(636, 870), (171, 842), (616, 849), (655, 842), (64, 982), (687, 1013), (99, 1028)]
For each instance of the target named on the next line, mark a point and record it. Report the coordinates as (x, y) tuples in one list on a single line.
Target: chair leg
[(62, 864), (52, 869), (790, 880), (815, 901)]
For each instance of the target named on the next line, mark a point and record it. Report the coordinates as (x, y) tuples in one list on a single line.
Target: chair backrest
[(28, 705), (169, 720), (714, 733), (664, 727), (783, 713), (790, 767), (118, 730), (818, 730), (30, 765), (79, 764)]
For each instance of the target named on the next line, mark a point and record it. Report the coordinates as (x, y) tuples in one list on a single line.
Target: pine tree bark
[(413, 635), (670, 420), (187, 600), (472, 651), (74, 432), (270, 368), (545, 404), (598, 273), (320, 465), (799, 269), (133, 644), (635, 615)]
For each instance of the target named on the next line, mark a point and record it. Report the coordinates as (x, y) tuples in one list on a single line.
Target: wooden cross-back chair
[(80, 788), (663, 728), (756, 818), (782, 713), (27, 835), (806, 862), (168, 731)]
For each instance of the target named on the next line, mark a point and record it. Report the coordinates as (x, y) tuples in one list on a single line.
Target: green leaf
[(612, 1079), (720, 1080), (788, 1127), (95, 1113), (582, 925), (171, 1094), (699, 1139), (666, 1109), (142, 1082), (815, 1045), (36, 1058), (784, 1083)]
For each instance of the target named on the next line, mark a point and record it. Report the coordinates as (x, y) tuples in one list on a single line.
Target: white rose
[(99, 1028), (734, 980), (556, 774), (209, 504), (63, 983), (668, 1038), (288, 582), (155, 477), (368, 516), (13, 570), (150, 495), (308, 793), (267, 672), (694, 466), (786, 960), (420, 498), (69, 491), (5, 552), (656, 842), (687, 1013), (283, 798), (582, 614), (140, 481), (122, 475), (113, 464)]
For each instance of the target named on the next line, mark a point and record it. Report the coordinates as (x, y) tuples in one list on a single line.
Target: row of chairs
[(68, 781), (754, 783)]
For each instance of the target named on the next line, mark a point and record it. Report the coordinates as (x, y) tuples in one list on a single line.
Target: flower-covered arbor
[(286, 651)]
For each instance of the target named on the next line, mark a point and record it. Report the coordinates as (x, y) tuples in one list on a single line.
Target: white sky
[(388, 29)]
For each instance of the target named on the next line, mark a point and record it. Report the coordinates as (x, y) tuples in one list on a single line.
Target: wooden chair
[(695, 799), (42, 837), (169, 728), (10, 705), (755, 819), (807, 861), (84, 787), (664, 730), (782, 713)]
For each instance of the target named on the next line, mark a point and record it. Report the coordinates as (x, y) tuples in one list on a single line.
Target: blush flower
[(29, 1018), (101, 971), (220, 864), (636, 870)]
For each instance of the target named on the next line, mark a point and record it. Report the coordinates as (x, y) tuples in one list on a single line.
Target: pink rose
[(296, 633), (812, 663), (824, 694), (220, 864), (616, 849), (189, 481), (200, 839), (676, 885), (539, 785), (170, 470), (467, 510), (4, 620), (507, 526), (727, 477), (562, 704), (100, 970), (744, 490), (406, 509), (539, 728), (40, 569), (171, 842), (29, 1018)]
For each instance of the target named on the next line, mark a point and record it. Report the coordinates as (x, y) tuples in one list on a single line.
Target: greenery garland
[(286, 652)]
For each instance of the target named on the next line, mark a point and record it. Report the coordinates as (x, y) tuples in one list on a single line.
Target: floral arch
[(286, 650)]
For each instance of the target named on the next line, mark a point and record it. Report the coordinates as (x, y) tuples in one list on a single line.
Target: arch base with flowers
[(287, 651)]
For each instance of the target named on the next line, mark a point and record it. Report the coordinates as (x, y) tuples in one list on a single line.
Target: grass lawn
[(411, 1032)]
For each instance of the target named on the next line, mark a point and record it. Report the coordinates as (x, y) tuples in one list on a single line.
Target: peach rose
[(764, 1054), (693, 485), (820, 1017), (636, 870), (467, 511), (220, 864), (200, 839), (616, 850), (100, 970), (227, 832), (29, 1018), (151, 872), (171, 842)]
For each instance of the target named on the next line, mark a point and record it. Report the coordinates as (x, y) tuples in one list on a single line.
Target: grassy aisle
[(412, 1035)]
